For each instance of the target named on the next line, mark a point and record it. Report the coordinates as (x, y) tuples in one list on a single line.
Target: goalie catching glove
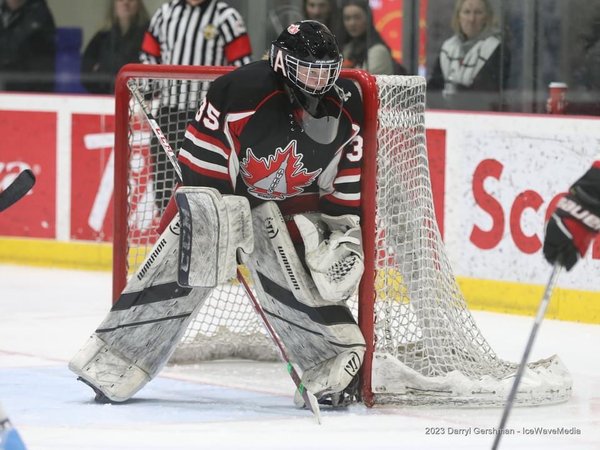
[(333, 253), (575, 222)]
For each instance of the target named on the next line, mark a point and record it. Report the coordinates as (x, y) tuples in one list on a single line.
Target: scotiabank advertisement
[(502, 172)]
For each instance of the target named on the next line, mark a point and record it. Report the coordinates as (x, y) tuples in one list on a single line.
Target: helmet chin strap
[(319, 121)]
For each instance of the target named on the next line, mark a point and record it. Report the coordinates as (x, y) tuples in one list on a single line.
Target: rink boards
[(493, 177)]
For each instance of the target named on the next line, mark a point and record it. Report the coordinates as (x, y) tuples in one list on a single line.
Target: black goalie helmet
[(308, 56)]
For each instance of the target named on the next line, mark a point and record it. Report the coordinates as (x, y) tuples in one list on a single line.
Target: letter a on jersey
[(278, 176)]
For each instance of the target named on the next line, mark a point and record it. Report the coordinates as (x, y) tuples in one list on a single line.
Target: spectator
[(325, 11), (364, 48), (189, 32), (27, 46), (116, 44), (473, 65)]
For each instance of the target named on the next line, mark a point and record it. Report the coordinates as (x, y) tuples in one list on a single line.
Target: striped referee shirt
[(210, 34)]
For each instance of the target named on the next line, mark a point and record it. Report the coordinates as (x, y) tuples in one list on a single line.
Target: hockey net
[(423, 346)]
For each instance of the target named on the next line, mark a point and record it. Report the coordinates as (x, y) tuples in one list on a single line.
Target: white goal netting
[(427, 348)]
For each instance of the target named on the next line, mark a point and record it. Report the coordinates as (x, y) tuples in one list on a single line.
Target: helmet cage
[(311, 77)]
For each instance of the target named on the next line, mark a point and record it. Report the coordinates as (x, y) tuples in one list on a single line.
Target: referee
[(188, 32)]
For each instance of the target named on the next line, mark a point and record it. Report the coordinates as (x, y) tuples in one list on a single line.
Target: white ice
[(46, 315)]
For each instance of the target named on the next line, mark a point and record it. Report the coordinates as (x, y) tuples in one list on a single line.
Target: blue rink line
[(51, 396)]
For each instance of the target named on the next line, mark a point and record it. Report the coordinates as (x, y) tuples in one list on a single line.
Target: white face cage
[(314, 78)]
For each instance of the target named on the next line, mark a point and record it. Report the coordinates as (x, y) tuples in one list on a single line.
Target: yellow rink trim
[(488, 295), (518, 298), (51, 253)]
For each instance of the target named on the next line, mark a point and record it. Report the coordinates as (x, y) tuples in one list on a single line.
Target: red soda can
[(557, 93)]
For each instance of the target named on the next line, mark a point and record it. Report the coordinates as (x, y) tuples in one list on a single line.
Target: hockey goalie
[(271, 169)]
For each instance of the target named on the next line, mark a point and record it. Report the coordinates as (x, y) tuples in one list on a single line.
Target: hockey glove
[(333, 253), (575, 222)]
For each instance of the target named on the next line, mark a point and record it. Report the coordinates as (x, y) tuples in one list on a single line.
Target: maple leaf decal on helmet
[(278, 176)]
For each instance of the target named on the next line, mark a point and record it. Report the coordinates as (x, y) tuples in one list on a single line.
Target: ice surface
[(46, 315)]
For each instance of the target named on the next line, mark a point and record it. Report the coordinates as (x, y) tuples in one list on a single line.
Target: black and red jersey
[(246, 141)]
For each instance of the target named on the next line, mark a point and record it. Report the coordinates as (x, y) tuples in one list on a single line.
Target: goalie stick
[(541, 311), (135, 91), (309, 399), (17, 189)]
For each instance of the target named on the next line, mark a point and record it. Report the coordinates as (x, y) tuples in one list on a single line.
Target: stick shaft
[(309, 399), (541, 311), (164, 142)]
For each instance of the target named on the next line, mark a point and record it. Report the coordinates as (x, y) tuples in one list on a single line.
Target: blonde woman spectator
[(364, 48), (116, 44), (473, 65)]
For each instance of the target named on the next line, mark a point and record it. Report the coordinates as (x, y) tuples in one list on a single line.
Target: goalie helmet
[(308, 56)]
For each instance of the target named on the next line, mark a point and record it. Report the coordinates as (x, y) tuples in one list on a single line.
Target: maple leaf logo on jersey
[(278, 176)]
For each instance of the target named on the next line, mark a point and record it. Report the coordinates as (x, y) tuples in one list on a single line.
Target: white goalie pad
[(213, 227), (321, 337), (144, 326), (333, 253)]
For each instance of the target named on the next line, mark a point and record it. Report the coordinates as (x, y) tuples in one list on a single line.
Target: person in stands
[(27, 46), (326, 12), (364, 47), (117, 43), (473, 65)]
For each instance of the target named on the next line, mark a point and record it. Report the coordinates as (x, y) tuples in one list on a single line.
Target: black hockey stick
[(309, 399), (536, 324), (17, 189)]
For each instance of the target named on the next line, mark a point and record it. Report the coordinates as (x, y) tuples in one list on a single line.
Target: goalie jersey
[(245, 141)]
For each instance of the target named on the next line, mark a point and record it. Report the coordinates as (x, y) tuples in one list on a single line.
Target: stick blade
[(313, 405), (17, 189)]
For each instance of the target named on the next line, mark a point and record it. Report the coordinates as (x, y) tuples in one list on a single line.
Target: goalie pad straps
[(213, 227), (333, 253)]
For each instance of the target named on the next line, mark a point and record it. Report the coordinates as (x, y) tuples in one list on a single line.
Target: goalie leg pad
[(143, 328), (213, 227), (117, 377), (312, 329)]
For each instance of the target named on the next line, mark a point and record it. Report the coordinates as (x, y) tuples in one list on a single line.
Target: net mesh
[(421, 320), (421, 316)]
